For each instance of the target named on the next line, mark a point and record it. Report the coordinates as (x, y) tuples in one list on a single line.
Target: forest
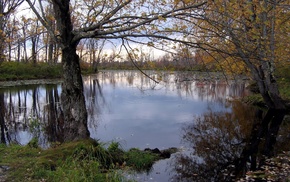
[(65, 39)]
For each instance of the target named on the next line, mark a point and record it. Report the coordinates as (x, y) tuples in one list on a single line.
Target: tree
[(95, 48), (254, 34), (6, 8), (123, 19), (248, 32)]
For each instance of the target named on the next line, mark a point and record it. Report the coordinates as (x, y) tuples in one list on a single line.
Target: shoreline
[(7, 84)]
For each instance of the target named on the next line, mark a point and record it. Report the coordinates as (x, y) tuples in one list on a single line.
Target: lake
[(185, 110)]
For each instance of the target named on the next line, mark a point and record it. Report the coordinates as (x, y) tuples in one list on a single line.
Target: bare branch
[(42, 19), (132, 60), (98, 29)]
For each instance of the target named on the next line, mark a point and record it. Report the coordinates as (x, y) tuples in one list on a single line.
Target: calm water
[(132, 109), (127, 107)]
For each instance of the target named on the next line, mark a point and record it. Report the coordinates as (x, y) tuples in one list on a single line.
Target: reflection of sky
[(20, 111), (125, 106), (149, 117), (142, 119)]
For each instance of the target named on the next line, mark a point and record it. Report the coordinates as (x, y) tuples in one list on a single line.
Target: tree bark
[(2, 36), (72, 96), (33, 49)]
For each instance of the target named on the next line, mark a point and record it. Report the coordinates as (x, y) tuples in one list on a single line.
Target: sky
[(110, 47)]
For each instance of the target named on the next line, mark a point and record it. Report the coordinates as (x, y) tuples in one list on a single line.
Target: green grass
[(85, 160), (20, 71), (140, 160)]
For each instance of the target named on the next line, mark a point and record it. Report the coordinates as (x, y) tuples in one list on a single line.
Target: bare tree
[(6, 8), (123, 19)]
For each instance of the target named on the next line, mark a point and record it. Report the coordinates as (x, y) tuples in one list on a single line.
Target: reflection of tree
[(262, 141), (53, 116), (17, 114), (2, 121), (35, 103), (26, 112), (225, 145), (96, 101), (215, 140)]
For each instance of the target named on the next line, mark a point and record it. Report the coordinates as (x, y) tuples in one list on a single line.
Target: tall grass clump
[(140, 160)]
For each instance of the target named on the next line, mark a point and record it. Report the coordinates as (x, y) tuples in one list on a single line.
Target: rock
[(154, 151)]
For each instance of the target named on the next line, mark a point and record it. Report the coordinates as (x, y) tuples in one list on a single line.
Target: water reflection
[(138, 112), (223, 146), (128, 107), (31, 111), (125, 101)]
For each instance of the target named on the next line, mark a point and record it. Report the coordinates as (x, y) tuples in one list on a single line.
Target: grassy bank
[(20, 71), (76, 161)]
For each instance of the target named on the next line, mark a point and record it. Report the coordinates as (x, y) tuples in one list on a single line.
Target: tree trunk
[(24, 44), (50, 53), (72, 97), (33, 49), (2, 35), (18, 51), (268, 88), (55, 53)]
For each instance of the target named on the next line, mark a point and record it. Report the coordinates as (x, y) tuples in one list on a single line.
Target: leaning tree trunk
[(268, 87), (72, 97)]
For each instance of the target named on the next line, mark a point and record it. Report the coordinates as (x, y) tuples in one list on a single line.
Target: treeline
[(168, 65)]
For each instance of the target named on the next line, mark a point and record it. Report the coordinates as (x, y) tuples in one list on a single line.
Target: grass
[(140, 160), (85, 160), (20, 71)]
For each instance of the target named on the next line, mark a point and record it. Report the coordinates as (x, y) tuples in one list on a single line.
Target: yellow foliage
[(233, 66), (255, 30)]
